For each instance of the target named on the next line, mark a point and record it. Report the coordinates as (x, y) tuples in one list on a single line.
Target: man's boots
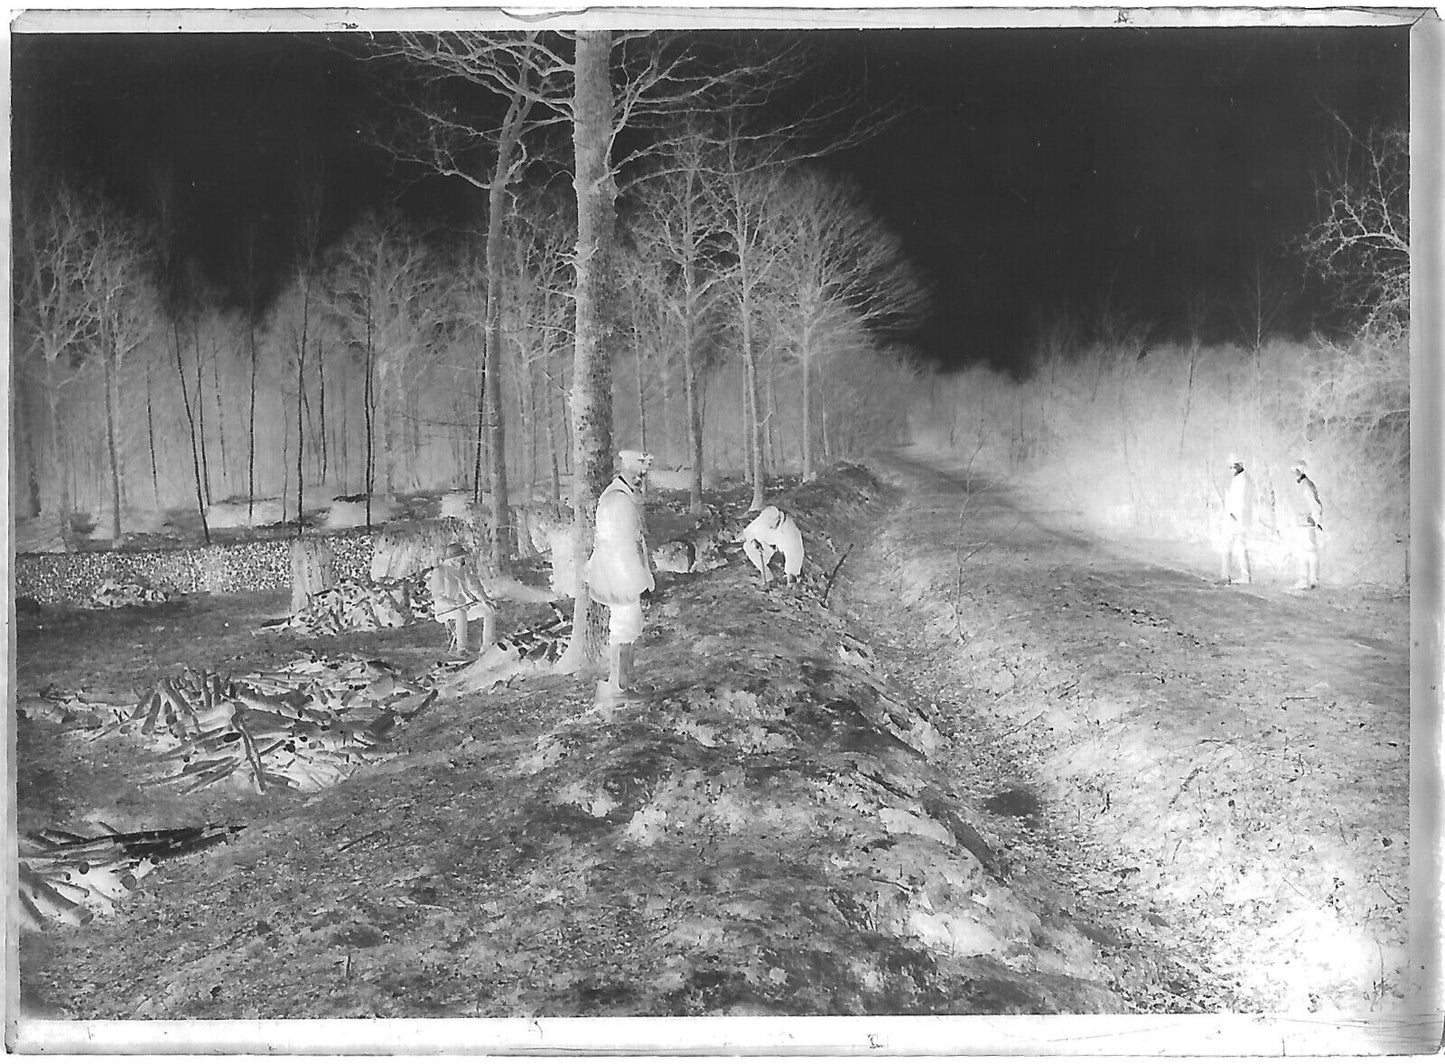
[(624, 679)]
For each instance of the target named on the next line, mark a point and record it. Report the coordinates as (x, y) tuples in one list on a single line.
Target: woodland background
[(753, 316)]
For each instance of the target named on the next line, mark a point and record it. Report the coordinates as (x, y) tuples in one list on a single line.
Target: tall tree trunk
[(664, 409), (807, 363), (384, 392), (220, 411), (368, 406), (321, 403), (151, 438), (339, 441), (191, 421), (641, 397), (112, 404), (502, 538), (481, 433), (251, 425), (550, 389), (528, 413), (57, 473), (770, 427), (750, 377), (592, 369), (823, 418), (285, 418), (300, 402), (201, 408), (694, 419), (29, 434)]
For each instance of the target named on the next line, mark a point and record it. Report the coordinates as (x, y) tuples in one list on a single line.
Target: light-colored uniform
[(1308, 515), (1238, 513), (455, 588), (619, 571), (771, 531), (457, 596)]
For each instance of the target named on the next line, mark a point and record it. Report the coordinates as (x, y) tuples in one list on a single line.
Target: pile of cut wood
[(360, 605), (113, 593), (303, 727), (71, 879)]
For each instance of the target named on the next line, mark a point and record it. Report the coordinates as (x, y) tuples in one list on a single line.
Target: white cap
[(1299, 465), (634, 459), (1234, 460)]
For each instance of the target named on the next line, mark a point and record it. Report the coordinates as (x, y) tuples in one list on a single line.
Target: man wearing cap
[(771, 531), (458, 596), (619, 572), (1306, 515), (1238, 510)]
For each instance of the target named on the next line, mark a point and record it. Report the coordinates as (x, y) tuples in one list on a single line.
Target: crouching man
[(619, 571), (772, 531), (458, 598)]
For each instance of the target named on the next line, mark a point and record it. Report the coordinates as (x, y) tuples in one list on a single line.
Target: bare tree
[(55, 262), (1262, 297), (838, 265), (521, 75), (251, 284), (537, 309), (125, 303), (1360, 241), (176, 298), (310, 191), (675, 231), (383, 291)]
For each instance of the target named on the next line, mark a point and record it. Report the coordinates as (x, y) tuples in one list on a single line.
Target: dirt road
[(1215, 774)]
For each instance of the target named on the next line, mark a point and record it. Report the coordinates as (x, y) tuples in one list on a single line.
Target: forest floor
[(1006, 768)]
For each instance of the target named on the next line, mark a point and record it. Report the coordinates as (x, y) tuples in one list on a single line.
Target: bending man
[(771, 531)]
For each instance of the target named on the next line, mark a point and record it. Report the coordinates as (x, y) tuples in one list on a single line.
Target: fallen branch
[(834, 575)]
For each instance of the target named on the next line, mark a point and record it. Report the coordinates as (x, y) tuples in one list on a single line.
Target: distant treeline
[(137, 391)]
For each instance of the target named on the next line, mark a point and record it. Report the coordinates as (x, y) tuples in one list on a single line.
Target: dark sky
[(1032, 171)]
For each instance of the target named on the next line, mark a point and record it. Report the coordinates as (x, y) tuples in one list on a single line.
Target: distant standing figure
[(1307, 514), (458, 597), (1238, 511), (771, 531), (619, 571)]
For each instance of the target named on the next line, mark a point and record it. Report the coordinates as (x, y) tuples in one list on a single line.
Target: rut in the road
[(1204, 790)]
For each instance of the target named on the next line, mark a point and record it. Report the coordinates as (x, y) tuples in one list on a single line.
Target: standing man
[(619, 571), (773, 530), (1306, 514), (458, 597), (1238, 512)]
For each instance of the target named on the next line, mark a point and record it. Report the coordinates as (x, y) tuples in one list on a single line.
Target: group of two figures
[(1302, 523), (619, 571)]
